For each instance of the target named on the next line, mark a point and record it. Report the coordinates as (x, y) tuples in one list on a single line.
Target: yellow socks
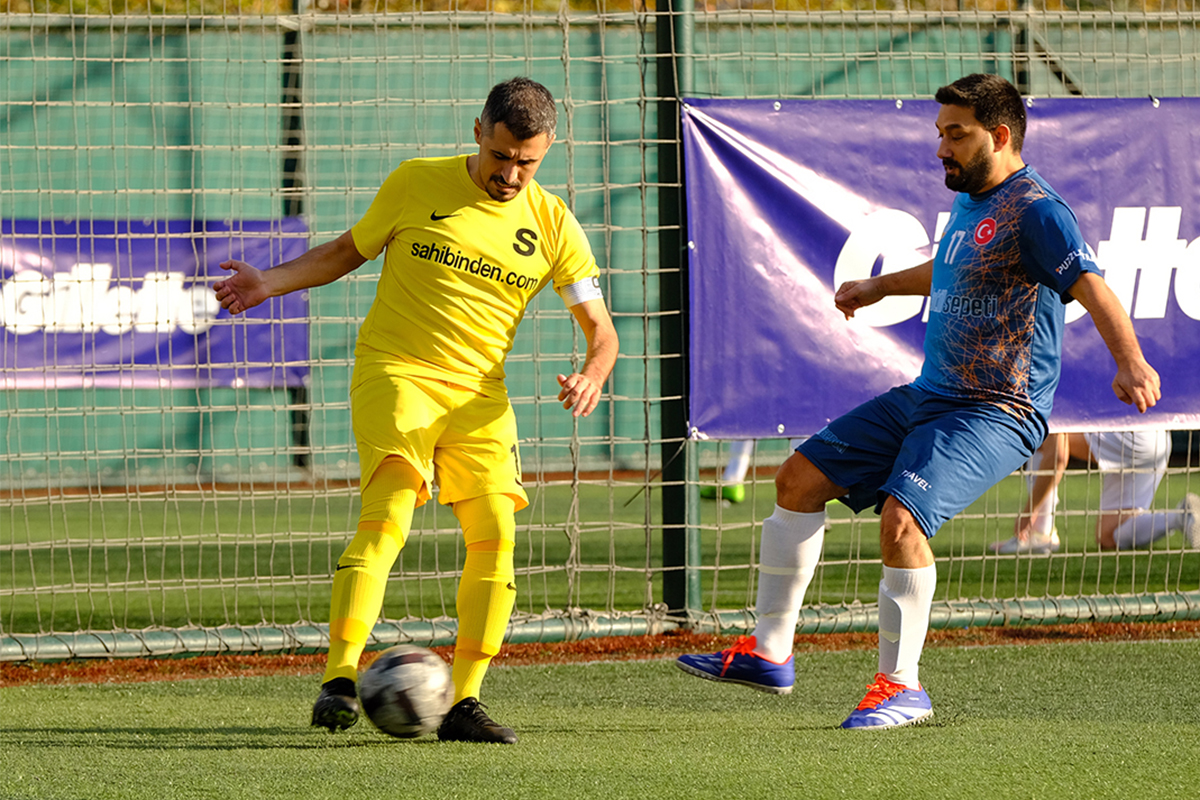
[(388, 501), (486, 590)]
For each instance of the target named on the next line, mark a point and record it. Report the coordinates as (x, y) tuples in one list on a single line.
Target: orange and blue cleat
[(889, 705), (740, 664)]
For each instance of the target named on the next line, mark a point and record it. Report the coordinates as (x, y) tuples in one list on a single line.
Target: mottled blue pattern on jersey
[(1001, 277)]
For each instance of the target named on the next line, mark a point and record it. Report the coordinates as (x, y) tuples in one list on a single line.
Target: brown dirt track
[(620, 648)]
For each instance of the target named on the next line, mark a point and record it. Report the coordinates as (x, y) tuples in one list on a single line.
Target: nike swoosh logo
[(342, 566), (436, 217)]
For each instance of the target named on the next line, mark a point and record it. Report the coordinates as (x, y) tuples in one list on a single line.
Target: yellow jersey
[(460, 269)]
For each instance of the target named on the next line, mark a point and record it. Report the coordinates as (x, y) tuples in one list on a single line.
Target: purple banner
[(786, 200), (130, 304)]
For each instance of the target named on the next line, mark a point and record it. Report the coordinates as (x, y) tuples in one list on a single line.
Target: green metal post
[(1023, 51), (680, 503), (291, 103)]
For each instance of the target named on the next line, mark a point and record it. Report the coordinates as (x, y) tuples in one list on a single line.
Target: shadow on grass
[(185, 738)]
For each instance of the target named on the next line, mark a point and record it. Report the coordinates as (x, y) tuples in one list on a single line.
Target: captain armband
[(584, 290)]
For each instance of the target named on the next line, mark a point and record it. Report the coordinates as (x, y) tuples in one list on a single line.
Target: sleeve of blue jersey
[(1053, 249)]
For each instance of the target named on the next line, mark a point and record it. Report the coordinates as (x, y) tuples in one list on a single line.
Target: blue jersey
[(1001, 277)]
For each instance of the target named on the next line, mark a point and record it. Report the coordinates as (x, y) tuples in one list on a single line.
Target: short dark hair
[(524, 106), (994, 100)]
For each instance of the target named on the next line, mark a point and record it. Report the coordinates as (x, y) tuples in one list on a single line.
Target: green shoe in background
[(733, 492)]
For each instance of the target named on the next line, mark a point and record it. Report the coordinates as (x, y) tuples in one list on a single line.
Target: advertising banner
[(786, 200), (130, 304)]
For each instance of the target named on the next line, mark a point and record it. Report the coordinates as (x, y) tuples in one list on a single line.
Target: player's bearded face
[(966, 149), (972, 176), (505, 164)]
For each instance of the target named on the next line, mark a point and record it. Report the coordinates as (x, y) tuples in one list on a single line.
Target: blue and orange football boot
[(889, 705), (740, 664)]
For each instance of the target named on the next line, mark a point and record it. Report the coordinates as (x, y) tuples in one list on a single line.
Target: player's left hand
[(579, 393), (1138, 384)]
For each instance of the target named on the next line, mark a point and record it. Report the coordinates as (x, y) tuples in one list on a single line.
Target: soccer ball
[(406, 691)]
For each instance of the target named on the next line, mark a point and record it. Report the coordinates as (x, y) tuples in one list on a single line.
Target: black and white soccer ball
[(406, 691)]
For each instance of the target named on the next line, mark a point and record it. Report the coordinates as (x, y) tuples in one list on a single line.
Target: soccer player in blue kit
[(1010, 259)]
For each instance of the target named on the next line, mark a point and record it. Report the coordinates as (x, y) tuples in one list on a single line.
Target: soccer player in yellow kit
[(468, 241)]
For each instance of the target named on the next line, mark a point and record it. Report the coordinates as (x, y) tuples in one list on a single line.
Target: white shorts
[(1133, 463)]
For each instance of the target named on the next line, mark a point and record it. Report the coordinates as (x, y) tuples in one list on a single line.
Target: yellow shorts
[(464, 440)]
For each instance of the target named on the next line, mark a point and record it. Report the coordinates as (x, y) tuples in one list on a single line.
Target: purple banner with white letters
[(786, 200), (130, 304)]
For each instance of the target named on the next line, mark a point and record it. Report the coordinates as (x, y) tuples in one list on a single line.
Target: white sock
[(905, 597), (1143, 529), (1043, 522), (788, 557), (739, 461)]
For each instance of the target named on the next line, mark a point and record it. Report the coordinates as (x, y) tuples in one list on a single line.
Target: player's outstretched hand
[(579, 393), (242, 290), (1138, 385), (853, 295)]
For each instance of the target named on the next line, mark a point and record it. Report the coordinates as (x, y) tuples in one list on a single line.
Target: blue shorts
[(934, 454)]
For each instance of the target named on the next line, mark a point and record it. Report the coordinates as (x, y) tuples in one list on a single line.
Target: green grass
[(210, 559), (1104, 720)]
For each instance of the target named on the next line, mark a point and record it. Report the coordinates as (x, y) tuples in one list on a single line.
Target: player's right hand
[(242, 290), (853, 295)]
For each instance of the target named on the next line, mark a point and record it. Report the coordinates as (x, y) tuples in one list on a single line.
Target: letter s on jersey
[(524, 246)]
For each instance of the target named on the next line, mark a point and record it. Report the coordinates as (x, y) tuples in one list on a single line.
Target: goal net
[(176, 481)]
